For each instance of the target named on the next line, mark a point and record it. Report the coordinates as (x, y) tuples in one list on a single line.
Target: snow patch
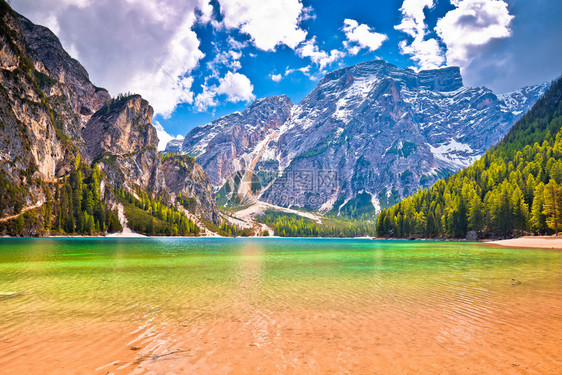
[(269, 154), (352, 97), (455, 154), (341, 113)]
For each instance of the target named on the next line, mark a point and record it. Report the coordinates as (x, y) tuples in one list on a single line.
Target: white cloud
[(307, 14), (235, 86), (122, 43), (268, 22), (361, 36), (170, 86), (472, 24), (75, 3), (308, 71), (304, 70), (276, 77), (235, 54), (413, 17), (224, 59), (321, 58), (163, 136), (425, 52), (206, 99), (236, 44), (206, 10), (52, 23)]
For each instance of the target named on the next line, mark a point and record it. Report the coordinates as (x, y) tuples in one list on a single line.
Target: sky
[(197, 60)]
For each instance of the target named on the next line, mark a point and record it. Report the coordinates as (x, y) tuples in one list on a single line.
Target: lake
[(298, 306)]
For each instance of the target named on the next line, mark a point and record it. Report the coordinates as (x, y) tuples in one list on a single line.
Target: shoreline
[(526, 242), (530, 242)]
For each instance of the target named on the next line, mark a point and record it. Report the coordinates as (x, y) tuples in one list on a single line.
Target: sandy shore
[(531, 242)]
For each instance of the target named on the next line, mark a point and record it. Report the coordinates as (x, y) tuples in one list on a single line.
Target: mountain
[(232, 143), (366, 136), (121, 138), (515, 188), (45, 98), (66, 146)]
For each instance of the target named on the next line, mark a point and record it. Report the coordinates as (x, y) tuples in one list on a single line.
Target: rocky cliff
[(52, 115), (185, 178), (121, 138), (234, 143), (65, 81), (36, 141), (366, 136)]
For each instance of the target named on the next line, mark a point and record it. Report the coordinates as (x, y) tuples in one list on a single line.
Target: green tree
[(520, 209), (476, 214), (538, 218), (552, 208)]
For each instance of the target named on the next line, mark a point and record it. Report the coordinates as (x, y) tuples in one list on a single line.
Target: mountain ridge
[(382, 130)]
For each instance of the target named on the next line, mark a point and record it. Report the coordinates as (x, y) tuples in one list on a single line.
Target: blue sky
[(196, 60)]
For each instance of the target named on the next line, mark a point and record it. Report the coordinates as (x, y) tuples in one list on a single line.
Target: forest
[(79, 205), (291, 225), (74, 204), (154, 217), (514, 189)]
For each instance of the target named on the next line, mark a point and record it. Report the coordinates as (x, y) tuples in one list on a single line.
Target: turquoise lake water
[(277, 306)]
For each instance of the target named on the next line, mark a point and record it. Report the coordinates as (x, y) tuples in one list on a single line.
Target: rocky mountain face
[(121, 138), (39, 121), (72, 95), (235, 142), (365, 137), (50, 113), (185, 178)]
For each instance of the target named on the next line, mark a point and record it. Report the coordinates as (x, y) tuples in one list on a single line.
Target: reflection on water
[(250, 280), (277, 306)]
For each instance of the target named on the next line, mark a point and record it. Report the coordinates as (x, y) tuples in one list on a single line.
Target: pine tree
[(553, 206), (150, 228), (538, 218), (520, 209), (476, 214)]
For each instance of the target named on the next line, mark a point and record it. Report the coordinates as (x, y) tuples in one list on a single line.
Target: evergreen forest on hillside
[(75, 205), (154, 217), (291, 225)]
